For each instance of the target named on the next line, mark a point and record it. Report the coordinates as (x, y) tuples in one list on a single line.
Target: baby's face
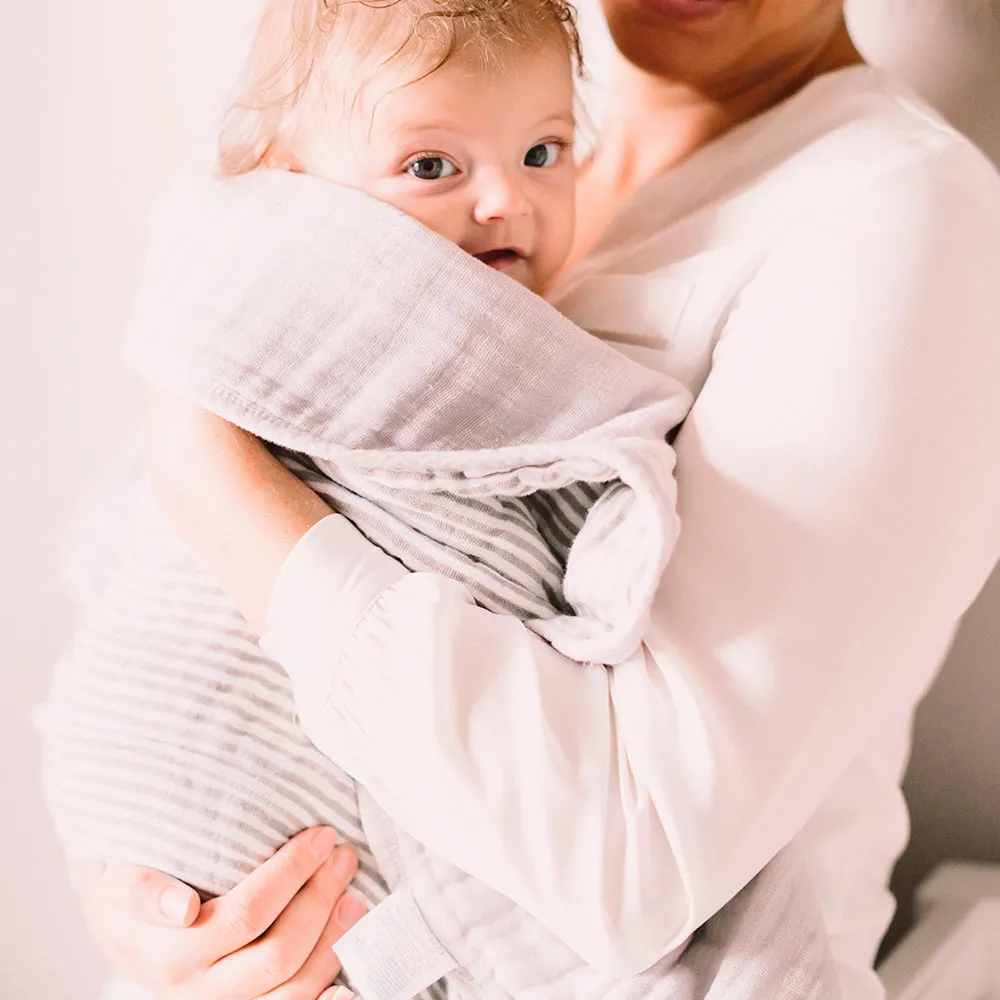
[(483, 159)]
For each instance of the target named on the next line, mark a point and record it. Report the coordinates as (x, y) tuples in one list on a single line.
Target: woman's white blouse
[(826, 280)]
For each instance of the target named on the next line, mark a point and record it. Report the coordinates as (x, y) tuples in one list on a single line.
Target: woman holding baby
[(813, 254)]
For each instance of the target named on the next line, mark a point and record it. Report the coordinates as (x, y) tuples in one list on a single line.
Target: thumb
[(148, 895)]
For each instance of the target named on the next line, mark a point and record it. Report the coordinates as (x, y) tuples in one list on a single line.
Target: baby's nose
[(500, 197)]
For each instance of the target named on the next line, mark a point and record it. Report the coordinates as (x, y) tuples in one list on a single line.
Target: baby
[(459, 114)]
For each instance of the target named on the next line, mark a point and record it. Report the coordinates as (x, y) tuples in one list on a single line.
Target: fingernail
[(350, 911), (174, 903), (345, 862), (323, 842), (338, 993)]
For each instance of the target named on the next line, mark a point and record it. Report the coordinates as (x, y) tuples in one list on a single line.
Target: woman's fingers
[(150, 896), (323, 966), (152, 928), (290, 955), (275, 928), (158, 958), (247, 911)]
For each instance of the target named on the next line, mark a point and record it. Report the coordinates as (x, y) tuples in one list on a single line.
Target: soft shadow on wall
[(953, 783), (949, 52)]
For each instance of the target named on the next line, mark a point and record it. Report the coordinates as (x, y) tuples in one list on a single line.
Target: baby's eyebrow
[(566, 117), (425, 126)]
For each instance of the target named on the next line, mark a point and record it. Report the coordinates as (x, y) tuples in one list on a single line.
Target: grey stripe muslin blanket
[(465, 427)]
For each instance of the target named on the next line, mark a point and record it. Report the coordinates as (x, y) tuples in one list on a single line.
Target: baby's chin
[(509, 263), (520, 269)]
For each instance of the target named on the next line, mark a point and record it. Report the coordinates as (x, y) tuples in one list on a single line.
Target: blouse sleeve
[(840, 499)]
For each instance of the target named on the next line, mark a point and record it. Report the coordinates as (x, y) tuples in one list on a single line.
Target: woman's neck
[(659, 123)]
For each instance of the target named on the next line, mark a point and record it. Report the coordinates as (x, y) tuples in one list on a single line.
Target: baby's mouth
[(500, 260)]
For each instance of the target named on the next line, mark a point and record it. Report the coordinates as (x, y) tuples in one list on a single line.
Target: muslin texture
[(465, 427)]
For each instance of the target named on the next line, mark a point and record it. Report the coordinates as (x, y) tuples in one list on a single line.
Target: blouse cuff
[(324, 589)]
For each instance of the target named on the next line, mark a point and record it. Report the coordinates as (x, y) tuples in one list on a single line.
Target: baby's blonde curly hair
[(296, 36)]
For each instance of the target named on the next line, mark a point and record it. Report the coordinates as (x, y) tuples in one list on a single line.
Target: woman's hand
[(271, 936)]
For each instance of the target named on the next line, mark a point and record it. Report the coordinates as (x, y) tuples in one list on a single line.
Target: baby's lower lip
[(500, 260)]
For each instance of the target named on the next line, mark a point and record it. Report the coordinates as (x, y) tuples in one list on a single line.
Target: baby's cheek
[(554, 247), (437, 214)]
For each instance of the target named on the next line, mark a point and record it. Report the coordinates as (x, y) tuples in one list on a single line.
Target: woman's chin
[(695, 41)]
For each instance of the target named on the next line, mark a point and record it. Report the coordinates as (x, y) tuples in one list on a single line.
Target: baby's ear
[(277, 158)]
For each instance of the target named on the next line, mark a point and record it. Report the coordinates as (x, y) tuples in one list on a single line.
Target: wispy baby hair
[(296, 36)]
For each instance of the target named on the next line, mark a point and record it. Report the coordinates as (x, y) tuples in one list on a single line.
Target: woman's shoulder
[(831, 152), (863, 128)]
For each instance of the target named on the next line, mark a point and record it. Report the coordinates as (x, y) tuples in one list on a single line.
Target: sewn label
[(391, 953)]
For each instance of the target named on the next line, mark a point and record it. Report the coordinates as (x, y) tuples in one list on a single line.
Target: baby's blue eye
[(545, 154), (431, 168)]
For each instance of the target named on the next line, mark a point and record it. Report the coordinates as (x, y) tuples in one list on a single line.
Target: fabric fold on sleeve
[(330, 580)]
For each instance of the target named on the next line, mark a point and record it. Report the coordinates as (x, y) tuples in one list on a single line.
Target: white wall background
[(102, 100)]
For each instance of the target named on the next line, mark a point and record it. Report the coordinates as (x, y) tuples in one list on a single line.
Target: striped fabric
[(170, 738), (412, 379), (511, 550), (467, 429)]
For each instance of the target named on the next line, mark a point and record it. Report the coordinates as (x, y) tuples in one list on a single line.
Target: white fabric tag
[(391, 953)]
